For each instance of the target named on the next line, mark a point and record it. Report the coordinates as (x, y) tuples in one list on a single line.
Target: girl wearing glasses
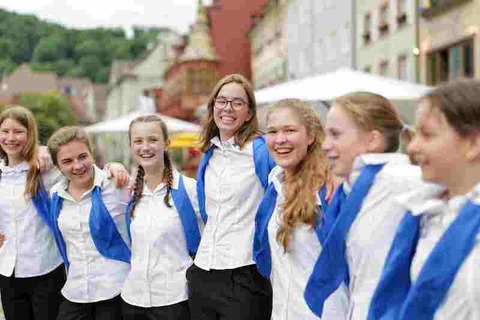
[(291, 218), (224, 282), (432, 268)]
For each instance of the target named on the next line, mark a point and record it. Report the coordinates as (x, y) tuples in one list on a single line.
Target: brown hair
[(374, 112), (63, 136), (301, 188), (248, 131), (30, 153), (459, 101), (167, 171)]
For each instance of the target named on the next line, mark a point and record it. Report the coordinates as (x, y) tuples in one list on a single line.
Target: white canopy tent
[(328, 86), (121, 124)]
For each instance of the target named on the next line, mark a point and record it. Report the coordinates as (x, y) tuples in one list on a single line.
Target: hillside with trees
[(68, 52)]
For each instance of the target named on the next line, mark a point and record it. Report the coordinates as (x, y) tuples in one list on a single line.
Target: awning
[(121, 124), (328, 86), (184, 140)]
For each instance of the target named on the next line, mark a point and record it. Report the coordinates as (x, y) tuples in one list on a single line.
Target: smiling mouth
[(147, 156), (227, 119), (283, 151)]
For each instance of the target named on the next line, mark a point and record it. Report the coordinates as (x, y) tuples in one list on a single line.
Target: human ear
[(472, 147), (376, 141)]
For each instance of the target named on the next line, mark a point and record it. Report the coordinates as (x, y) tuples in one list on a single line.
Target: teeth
[(229, 119), (146, 156)]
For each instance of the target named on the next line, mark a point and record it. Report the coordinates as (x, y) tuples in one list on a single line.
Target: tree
[(50, 49), (51, 110)]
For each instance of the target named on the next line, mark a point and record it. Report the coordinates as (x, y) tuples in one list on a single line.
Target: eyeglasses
[(237, 103)]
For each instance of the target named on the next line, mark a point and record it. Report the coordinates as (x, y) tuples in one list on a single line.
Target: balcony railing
[(430, 8)]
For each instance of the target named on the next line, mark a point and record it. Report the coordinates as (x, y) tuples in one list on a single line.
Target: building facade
[(449, 40), (229, 22), (190, 80), (130, 79), (387, 38), (320, 36), (269, 44)]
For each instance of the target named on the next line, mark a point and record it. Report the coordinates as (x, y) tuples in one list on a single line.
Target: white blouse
[(371, 234), (463, 298), (233, 193), (160, 257), (91, 277), (291, 269), (29, 246)]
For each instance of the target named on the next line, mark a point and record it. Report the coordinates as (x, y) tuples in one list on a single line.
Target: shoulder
[(401, 177), (58, 186)]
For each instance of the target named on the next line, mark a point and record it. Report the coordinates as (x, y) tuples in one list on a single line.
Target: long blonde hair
[(167, 170), (248, 131), (30, 153), (301, 187)]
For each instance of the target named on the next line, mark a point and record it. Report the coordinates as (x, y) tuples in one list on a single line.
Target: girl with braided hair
[(290, 222), (165, 228)]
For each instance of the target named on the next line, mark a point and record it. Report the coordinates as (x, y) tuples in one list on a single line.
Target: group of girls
[(304, 222)]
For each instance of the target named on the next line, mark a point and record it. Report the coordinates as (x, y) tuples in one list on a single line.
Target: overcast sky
[(177, 14)]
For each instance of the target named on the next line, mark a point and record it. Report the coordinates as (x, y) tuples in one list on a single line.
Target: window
[(330, 46), (402, 67), (383, 19), (401, 12), (451, 62), (345, 37), (367, 23), (200, 81), (383, 68)]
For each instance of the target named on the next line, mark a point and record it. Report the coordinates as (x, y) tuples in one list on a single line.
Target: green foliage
[(71, 52), (52, 111)]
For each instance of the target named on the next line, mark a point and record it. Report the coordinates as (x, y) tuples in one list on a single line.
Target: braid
[(167, 177), (137, 188)]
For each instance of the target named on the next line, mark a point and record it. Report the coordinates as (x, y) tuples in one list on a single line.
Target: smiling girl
[(224, 282), (165, 228), (432, 269), (31, 271), (289, 222), (362, 136), (88, 220)]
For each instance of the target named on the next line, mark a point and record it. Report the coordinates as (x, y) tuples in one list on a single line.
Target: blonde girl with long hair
[(290, 223), (165, 228), (224, 282), (31, 271)]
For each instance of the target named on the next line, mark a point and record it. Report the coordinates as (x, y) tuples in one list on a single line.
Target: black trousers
[(33, 298), (103, 310), (178, 311), (236, 294)]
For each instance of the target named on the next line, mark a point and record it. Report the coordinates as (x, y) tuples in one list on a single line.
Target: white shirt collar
[(22, 167), (427, 199), (276, 176), (227, 144), (161, 187), (99, 177), (372, 159)]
